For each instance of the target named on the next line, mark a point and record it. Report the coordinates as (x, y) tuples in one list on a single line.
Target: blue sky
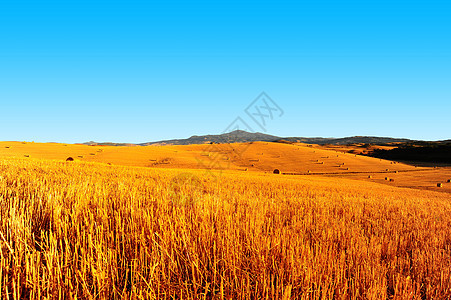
[(137, 71)]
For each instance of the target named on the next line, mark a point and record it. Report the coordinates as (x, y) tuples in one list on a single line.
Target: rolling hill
[(297, 159)]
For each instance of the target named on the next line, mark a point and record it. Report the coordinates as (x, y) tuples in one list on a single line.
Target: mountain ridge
[(241, 136)]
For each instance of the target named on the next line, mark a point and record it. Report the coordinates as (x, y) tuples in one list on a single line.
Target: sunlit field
[(256, 157), (89, 230)]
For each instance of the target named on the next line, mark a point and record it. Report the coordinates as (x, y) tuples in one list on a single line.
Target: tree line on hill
[(439, 152)]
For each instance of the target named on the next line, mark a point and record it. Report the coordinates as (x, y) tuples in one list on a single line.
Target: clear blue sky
[(137, 71)]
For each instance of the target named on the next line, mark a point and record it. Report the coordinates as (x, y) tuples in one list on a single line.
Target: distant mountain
[(237, 136), (240, 136)]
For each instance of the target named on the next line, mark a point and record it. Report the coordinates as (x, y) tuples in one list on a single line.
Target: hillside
[(255, 156), (296, 159)]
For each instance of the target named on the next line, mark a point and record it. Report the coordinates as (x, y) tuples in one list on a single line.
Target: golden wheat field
[(89, 230)]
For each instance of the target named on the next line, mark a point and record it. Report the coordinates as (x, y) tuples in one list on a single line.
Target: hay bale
[(369, 176), (439, 184), (276, 171), (26, 155), (70, 159), (245, 169), (386, 178), (449, 180), (387, 170), (391, 180), (7, 147)]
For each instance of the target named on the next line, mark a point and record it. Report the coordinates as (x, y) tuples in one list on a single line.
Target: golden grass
[(93, 231)]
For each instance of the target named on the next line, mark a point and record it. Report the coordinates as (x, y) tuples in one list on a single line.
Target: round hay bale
[(449, 180), (387, 170), (391, 179), (439, 185), (369, 176), (70, 159), (276, 171), (386, 178)]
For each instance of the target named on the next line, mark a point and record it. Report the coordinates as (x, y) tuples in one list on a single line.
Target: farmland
[(121, 224), (256, 157)]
